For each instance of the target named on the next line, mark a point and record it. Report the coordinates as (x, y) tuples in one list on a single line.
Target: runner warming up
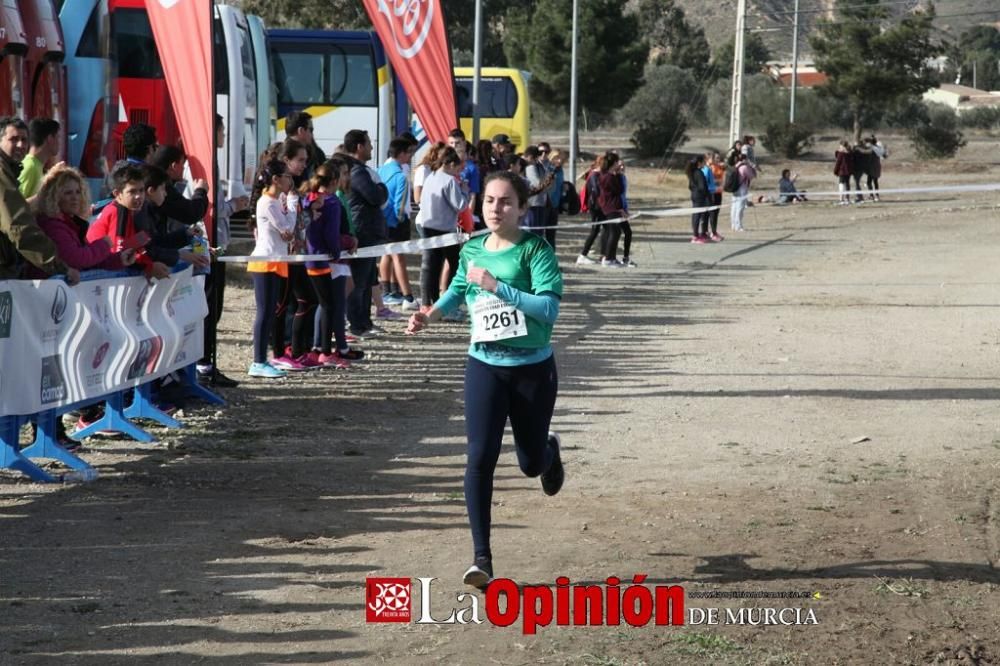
[(512, 285)]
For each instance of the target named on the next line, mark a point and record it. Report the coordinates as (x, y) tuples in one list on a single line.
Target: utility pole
[(795, 64), (573, 148), (477, 63), (736, 109)]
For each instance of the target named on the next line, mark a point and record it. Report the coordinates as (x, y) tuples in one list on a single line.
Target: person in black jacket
[(177, 207), (366, 198), (700, 198)]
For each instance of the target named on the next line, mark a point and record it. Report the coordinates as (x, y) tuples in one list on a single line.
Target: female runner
[(512, 284)]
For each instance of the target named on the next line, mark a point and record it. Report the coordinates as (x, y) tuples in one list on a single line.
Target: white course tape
[(984, 187), (406, 247), (458, 238)]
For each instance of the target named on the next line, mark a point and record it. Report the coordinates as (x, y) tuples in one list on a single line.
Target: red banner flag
[(414, 38), (183, 33)]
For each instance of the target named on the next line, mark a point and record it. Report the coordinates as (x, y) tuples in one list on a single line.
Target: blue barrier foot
[(142, 407), (46, 444), (114, 420), (196, 390), (12, 458)]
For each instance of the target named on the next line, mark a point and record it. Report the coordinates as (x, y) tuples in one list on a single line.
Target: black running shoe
[(220, 380), (552, 479), (480, 574)]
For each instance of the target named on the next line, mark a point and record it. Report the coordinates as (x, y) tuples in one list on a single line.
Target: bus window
[(352, 81), (135, 47), (90, 40), (497, 97), (300, 78), (221, 63)]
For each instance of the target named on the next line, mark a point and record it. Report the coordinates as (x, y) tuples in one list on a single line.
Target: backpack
[(570, 202), (732, 181), (588, 200)]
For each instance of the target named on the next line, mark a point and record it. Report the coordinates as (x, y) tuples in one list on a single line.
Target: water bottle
[(85, 475), (199, 247)]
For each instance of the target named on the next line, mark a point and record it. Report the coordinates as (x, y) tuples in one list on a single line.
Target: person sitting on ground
[(786, 188)]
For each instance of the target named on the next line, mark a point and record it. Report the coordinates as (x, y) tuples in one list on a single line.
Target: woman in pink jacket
[(61, 207)]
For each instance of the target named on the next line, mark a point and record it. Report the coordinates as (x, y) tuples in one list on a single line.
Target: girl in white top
[(275, 227)]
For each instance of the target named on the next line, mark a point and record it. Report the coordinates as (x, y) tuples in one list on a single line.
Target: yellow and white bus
[(505, 107)]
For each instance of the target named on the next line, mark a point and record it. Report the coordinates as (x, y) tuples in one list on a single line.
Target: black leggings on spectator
[(432, 264), (594, 230), (297, 284), (626, 230), (333, 301), (713, 215), (265, 293), (610, 233), (527, 395)]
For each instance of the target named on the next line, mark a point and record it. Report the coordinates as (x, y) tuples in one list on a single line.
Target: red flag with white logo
[(414, 38), (183, 33)]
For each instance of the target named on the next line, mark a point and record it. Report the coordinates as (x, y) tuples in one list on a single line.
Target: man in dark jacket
[(20, 237), (367, 197)]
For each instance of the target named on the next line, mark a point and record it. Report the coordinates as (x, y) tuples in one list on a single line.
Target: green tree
[(351, 15), (672, 40), (661, 110), (610, 59), (755, 56), (312, 14), (870, 63), (979, 47)]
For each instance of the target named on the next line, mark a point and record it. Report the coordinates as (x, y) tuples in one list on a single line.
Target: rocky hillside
[(774, 20)]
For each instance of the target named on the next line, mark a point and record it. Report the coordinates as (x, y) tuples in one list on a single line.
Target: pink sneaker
[(716, 238), (386, 313), (308, 361), (698, 240), (286, 363), (334, 361)]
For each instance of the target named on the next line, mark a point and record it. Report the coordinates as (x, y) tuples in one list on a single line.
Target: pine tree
[(872, 65), (610, 58)]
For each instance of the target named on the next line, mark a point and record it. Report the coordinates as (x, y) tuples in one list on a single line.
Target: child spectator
[(786, 188), (329, 233), (274, 229)]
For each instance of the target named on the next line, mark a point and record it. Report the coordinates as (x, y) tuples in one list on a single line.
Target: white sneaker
[(584, 259), (612, 263), (412, 305)]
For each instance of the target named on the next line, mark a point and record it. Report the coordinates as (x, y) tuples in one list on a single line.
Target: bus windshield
[(497, 96), (329, 75), (135, 47)]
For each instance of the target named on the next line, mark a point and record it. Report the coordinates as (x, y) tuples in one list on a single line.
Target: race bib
[(493, 319)]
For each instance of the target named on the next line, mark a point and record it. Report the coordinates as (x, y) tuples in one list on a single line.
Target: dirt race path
[(711, 406)]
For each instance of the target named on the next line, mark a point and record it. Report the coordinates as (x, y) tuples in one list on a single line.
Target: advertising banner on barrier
[(60, 345)]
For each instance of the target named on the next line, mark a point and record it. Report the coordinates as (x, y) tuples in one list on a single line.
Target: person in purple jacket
[(61, 207), (329, 233)]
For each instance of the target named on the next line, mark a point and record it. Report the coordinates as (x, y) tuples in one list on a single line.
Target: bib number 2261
[(493, 320)]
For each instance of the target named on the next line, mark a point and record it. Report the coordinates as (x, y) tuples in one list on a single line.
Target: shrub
[(939, 137), (987, 117), (660, 110), (932, 142), (788, 139)]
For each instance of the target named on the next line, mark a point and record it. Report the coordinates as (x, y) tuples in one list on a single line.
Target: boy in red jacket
[(117, 221)]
